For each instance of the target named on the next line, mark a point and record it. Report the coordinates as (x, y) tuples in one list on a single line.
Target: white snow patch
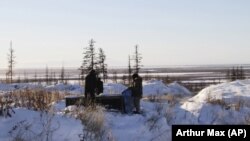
[(68, 128), (227, 103), (156, 87), (113, 88), (69, 88)]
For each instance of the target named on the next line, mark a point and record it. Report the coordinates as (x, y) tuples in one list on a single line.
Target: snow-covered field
[(226, 103)]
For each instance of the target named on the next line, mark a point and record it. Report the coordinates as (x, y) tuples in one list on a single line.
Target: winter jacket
[(90, 83), (137, 87)]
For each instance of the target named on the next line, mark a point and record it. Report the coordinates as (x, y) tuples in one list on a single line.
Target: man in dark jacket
[(99, 88), (137, 91), (90, 85)]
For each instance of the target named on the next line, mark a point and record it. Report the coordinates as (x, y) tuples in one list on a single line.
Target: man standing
[(137, 91), (99, 89), (90, 85)]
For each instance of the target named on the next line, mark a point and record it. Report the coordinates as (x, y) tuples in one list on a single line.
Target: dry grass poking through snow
[(93, 120), (237, 105), (216, 101), (26, 131), (37, 99)]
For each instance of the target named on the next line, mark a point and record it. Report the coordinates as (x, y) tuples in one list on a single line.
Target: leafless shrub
[(47, 130), (171, 99), (247, 120), (37, 99), (5, 106), (169, 114), (25, 131), (214, 101), (22, 131), (162, 136), (92, 119), (238, 105), (153, 98), (152, 121), (235, 106)]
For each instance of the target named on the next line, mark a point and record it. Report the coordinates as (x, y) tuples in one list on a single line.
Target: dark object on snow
[(128, 100), (115, 101), (5, 107), (90, 85), (6, 111), (137, 91), (99, 88), (137, 85)]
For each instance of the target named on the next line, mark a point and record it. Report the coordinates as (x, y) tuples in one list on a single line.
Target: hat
[(135, 75), (92, 72)]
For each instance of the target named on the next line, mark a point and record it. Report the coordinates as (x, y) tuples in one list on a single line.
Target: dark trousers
[(90, 96), (137, 104)]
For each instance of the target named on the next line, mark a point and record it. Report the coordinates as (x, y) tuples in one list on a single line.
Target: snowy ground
[(226, 103)]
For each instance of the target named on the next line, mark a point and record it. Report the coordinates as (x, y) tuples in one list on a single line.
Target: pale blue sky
[(168, 32)]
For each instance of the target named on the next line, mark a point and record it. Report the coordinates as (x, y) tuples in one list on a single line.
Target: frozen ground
[(226, 103)]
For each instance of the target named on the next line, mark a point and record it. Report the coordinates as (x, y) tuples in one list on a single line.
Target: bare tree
[(115, 76), (53, 78), (18, 79), (235, 74), (102, 65), (11, 63), (137, 58), (25, 77), (35, 77), (129, 71), (242, 73), (47, 75), (62, 75), (81, 75)]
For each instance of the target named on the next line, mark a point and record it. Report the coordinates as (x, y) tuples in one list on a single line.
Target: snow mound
[(18, 86), (113, 88), (156, 87), (230, 93), (64, 128), (177, 89), (72, 89), (227, 103)]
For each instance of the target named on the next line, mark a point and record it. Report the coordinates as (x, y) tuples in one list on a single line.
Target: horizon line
[(143, 67)]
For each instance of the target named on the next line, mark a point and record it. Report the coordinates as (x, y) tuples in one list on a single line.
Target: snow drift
[(156, 87), (72, 89), (227, 103), (113, 88)]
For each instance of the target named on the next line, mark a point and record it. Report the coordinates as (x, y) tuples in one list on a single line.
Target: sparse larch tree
[(25, 77), (89, 59), (35, 77), (137, 58), (235, 74), (18, 79), (129, 71), (102, 66), (228, 75), (47, 75), (53, 78), (82, 71), (62, 75), (11, 63), (242, 73), (115, 76)]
